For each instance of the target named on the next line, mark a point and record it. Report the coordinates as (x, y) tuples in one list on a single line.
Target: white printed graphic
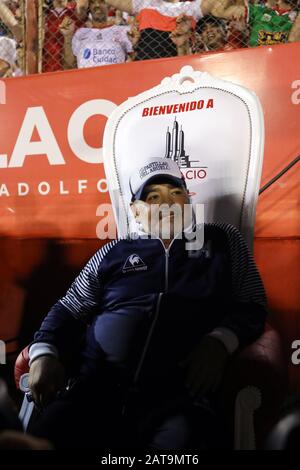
[(134, 263)]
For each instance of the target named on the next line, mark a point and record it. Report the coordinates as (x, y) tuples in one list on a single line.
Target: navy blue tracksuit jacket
[(147, 306)]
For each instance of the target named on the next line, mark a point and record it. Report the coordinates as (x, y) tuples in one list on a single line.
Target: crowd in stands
[(11, 38), (86, 33)]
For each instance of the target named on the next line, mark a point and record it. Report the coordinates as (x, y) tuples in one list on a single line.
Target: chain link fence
[(86, 33), (12, 27)]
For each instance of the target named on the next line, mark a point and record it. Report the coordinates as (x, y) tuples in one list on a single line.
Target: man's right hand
[(46, 378)]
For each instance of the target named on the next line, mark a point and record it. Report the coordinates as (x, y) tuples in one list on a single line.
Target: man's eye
[(152, 197), (177, 191)]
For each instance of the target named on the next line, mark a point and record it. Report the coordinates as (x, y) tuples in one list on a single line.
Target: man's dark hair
[(163, 180)]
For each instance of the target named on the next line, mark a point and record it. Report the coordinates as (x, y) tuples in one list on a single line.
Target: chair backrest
[(212, 128)]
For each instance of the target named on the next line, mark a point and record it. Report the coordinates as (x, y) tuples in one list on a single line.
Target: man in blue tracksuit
[(162, 322)]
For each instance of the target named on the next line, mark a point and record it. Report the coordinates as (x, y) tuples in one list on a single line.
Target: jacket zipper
[(167, 251), (140, 364), (156, 315)]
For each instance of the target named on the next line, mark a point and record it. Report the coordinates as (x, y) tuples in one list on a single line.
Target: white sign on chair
[(212, 128)]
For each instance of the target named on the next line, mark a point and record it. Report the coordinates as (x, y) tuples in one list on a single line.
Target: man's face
[(98, 9), (212, 36), (161, 211), (4, 67)]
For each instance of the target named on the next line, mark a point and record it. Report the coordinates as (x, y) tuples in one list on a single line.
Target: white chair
[(218, 145), (214, 129)]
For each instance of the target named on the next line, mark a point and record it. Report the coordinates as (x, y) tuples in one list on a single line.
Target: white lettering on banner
[(296, 354), (82, 184), (4, 190), (57, 187), (62, 190), (3, 161), (45, 185), (22, 192), (36, 118), (3, 157), (76, 125), (296, 94), (101, 183)]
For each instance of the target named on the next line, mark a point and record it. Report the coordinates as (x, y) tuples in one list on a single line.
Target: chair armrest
[(259, 365)]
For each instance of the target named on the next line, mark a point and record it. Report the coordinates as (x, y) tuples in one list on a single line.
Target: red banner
[(51, 176)]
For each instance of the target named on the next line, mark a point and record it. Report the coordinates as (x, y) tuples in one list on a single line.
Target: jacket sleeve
[(247, 309), (64, 325)]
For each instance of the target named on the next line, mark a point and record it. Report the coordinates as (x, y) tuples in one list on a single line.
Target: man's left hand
[(205, 366)]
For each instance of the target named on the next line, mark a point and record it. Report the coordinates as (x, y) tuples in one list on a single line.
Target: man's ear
[(134, 209), (139, 209)]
